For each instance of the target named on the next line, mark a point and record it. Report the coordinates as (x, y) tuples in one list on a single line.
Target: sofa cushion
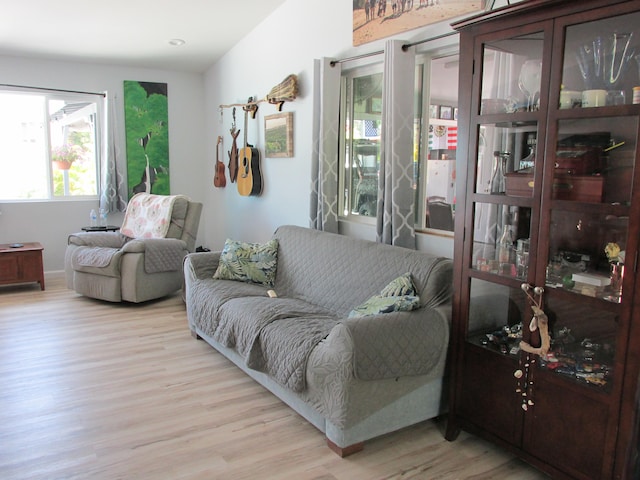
[(248, 262), (312, 265)]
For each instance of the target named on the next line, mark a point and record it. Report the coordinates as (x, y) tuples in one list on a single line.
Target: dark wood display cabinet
[(546, 336)]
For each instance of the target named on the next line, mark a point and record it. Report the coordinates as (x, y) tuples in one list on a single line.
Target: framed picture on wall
[(446, 112), (278, 135), (370, 16), (434, 111)]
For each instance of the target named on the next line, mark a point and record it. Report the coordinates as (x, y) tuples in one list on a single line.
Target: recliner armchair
[(141, 262)]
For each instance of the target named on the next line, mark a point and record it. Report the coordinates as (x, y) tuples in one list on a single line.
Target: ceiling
[(129, 32)]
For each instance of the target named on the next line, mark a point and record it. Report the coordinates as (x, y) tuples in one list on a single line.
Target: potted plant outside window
[(64, 156)]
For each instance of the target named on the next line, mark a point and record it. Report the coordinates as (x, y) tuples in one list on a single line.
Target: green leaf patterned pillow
[(398, 296), (248, 262), (403, 285), (379, 304)]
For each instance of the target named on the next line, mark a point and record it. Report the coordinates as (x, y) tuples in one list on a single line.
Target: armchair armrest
[(160, 254), (140, 245), (98, 239)]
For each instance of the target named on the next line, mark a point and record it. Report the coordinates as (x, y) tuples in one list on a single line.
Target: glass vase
[(498, 179), (616, 276)]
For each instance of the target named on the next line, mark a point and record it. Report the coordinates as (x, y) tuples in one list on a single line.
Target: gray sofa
[(354, 378)]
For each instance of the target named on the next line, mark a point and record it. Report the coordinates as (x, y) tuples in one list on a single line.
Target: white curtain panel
[(490, 218), (324, 161), (113, 190), (396, 196)]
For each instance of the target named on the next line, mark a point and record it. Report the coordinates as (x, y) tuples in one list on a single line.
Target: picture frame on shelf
[(278, 135), (455, 113), (446, 112), (434, 111)]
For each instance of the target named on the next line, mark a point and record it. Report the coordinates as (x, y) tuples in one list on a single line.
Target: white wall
[(51, 222), (286, 42)]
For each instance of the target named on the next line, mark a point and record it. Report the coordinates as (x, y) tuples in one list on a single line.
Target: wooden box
[(578, 188), (577, 160), (519, 184)]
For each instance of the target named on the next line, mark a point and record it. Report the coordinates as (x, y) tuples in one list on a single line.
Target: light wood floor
[(92, 390)]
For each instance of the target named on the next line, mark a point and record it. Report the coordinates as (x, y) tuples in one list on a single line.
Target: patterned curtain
[(396, 203), (113, 186), (324, 161)]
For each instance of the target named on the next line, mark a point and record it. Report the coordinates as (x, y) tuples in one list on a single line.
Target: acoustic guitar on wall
[(249, 176), (219, 180)]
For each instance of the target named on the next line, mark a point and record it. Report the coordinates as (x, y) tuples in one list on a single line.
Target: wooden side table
[(21, 264)]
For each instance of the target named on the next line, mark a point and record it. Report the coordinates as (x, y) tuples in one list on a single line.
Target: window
[(436, 178), (360, 157), (49, 145), (435, 141)]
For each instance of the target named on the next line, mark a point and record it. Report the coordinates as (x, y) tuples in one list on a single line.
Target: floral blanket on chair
[(148, 215)]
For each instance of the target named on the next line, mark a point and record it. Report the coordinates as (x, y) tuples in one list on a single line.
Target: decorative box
[(578, 188), (577, 160)]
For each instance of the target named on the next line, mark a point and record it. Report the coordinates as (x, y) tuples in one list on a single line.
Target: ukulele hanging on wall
[(219, 180), (249, 176), (233, 154)]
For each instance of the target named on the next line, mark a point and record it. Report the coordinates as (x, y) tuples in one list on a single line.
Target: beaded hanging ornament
[(539, 321)]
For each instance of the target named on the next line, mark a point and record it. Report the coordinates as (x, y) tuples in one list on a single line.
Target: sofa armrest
[(140, 245), (98, 239), (397, 344), (201, 264)]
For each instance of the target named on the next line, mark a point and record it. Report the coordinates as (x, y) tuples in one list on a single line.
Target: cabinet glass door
[(585, 243), (506, 127)]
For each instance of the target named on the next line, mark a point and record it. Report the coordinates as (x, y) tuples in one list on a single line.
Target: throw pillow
[(379, 304), (248, 262), (403, 285), (398, 296)]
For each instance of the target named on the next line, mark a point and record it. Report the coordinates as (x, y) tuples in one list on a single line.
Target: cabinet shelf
[(610, 111), (608, 209), (502, 199), (512, 120)]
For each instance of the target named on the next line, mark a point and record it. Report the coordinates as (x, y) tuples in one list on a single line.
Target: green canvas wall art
[(147, 134)]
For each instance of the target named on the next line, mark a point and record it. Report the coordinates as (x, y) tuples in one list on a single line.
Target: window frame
[(425, 58), (98, 127), (345, 172), (421, 138)]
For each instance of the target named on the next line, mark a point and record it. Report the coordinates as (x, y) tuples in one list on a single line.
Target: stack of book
[(590, 284)]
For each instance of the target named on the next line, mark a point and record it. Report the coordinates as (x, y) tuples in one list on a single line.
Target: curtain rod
[(405, 47), (52, 89)]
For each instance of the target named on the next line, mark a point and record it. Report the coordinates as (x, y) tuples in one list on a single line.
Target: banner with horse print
[(147, 133), (376, 19)]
